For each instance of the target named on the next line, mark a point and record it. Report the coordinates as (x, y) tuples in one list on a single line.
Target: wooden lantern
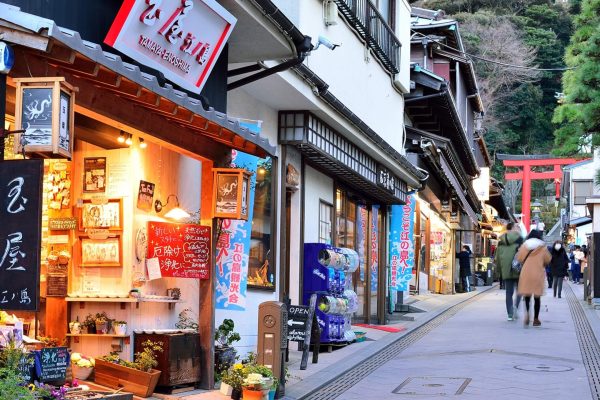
[(231, 194), (44, 108)]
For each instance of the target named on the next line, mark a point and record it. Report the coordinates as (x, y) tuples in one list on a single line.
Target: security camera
[(326, 42)]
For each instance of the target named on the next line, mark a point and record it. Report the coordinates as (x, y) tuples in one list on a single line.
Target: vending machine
[(328, 273)]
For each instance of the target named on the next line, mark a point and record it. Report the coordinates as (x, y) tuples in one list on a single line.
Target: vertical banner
[(362, 216), (374, 248), (402, 248), (233, 247), (20, 233)]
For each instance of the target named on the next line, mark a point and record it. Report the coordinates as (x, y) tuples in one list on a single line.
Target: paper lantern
[(231, 194), (45, 111)]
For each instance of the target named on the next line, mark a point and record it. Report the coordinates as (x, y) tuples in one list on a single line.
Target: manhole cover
[(543, 368), (432, 386)]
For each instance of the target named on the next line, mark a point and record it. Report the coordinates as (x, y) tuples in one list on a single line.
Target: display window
[(441, 255)]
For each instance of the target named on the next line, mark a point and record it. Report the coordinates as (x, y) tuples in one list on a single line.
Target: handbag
[(516, 266)]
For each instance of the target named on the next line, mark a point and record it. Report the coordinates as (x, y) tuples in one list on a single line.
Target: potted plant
[(101, 321), (232, 380), (256, 387), (89, 324), (137, 377), (120, 327), (82, 366), (225, 354), (75, 327)]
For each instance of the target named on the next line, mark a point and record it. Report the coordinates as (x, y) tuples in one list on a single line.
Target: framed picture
[(231, 193), (101, 216), (101, 252), (94, 175)]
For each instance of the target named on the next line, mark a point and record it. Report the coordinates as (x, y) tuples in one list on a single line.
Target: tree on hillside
[(578, 117)]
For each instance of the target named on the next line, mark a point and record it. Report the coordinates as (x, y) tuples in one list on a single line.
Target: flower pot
[(236, 394), (248, 394), (272, 393), (81, 373), (75, 327), (224, 358), (120, 329), (90, 329), (225, 389), (131, 380), (102, 328)]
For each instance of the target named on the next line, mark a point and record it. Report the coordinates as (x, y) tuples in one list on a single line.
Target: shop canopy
[(112, 90)]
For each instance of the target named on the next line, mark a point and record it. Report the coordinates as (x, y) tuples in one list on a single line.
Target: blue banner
[(374, 248), (402, 247), (233, 247)]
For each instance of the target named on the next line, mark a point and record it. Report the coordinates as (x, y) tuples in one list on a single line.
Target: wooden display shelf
[(121, 300), (96, 335)]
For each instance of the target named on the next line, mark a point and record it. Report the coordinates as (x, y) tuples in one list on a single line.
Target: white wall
[(295, 158)]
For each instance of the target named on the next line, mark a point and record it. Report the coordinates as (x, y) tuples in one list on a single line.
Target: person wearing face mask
[(559, 265)]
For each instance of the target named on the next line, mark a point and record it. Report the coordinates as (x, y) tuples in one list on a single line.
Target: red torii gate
[(525, 162)]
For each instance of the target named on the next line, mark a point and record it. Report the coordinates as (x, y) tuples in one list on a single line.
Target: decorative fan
[(141, 245)]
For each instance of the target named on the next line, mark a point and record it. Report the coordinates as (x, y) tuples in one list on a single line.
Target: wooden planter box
[(131, 380)]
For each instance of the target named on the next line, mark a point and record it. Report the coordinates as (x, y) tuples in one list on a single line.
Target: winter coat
[(464, 260), (532, 280), (507, 248), (559, 264)]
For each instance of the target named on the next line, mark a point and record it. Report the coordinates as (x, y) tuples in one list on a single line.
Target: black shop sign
[(51, 363), (20, 233), (386, 179), (297, 319)]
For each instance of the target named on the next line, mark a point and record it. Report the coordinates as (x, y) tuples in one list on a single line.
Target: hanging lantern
[(231, 194), (45, 111)]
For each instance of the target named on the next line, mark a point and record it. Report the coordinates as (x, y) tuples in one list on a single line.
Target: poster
[(233, 247), (402, 252), (374, 248), (361, 222), (145, 196), (94, 174)]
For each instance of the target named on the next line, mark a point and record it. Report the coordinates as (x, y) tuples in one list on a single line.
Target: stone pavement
[(475, 353)]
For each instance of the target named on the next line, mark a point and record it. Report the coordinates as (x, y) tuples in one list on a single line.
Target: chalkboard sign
[(20, 233), (297, 318), (51, 363), (27, 367), (183, 250), (145, 196)]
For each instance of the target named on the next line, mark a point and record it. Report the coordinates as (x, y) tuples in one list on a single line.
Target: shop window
[(261, 271), (386, 8), (345, 213), (325, 222), (581, 190)]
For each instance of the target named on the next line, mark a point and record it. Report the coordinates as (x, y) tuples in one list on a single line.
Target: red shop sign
[(183, 250), (180, 38)]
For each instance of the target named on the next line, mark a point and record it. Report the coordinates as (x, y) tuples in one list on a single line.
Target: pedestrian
[(571, 262), (534, 257), (558, 267), (464, 261), (576, 268), (508, 245)]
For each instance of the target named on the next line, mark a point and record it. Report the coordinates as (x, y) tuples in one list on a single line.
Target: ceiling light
[(128, 141), (143, 144), (121, 138)]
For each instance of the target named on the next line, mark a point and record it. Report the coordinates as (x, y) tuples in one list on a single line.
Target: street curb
[(319, 380)]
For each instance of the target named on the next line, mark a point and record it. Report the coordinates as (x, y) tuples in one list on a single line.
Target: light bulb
[(143, 144), (128, 140), (121, 138)]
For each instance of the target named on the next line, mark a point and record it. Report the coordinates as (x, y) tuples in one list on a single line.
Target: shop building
[(442, 116), (138, 149)]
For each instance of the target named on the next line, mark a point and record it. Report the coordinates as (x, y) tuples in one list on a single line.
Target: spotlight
[(143, 144), (121, 138), (128, 141)]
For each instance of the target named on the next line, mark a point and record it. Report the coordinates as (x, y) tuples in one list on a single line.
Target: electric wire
[(493, 61)]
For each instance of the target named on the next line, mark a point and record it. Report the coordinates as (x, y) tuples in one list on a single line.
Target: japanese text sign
[(183, 250), (180, 38), (20, 233), (51, 363), (402, 253)]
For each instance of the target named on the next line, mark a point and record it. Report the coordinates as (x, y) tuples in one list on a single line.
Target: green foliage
[(12, 386), (578, 117), (225, 335), (144, 360)]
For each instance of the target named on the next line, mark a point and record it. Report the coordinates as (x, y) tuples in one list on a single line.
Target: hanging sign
[(20, 233), (180, 38), (182, 250), (402, 251)]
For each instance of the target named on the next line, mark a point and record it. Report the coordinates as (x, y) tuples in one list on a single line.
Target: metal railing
[(370, 25)]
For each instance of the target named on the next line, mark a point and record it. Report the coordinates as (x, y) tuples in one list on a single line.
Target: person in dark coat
[(559, 266), (464, 261)]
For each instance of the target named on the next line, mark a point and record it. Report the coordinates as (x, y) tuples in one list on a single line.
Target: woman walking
[(534, 256), (558, 267)]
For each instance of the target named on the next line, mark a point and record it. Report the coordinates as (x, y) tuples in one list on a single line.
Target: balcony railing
[(370, 25)]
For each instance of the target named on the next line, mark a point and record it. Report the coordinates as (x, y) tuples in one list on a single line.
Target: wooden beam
[(539, 163)]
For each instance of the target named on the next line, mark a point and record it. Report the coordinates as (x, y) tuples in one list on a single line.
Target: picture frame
[(94, 215), (101, 252), (231, 194), (94, 175)]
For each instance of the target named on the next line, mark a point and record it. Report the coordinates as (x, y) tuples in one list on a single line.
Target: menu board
[(20, 233), (183, 250), (51, 363)]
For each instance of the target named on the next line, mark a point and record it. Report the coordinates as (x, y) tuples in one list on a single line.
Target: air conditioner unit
[(330, 13)]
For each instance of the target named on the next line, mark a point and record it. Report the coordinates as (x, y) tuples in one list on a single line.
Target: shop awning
[(120, 91), (580, 221), (463, 200)]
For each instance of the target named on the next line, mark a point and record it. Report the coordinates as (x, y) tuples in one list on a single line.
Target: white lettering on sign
[(185, 42), (12, 252), (15, 194), (387, 180), (318, 273), (22, 295)]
